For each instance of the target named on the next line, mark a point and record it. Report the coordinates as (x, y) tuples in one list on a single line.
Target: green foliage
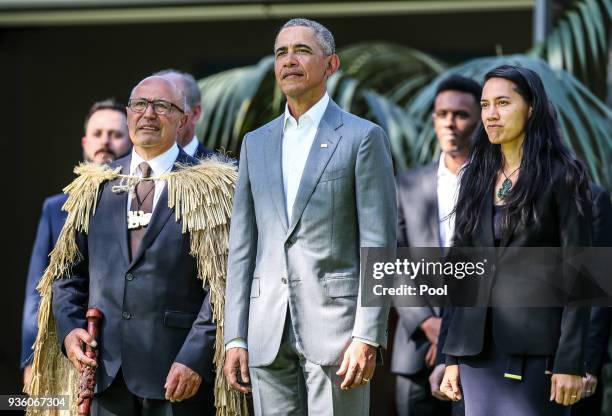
[(236, 101), (579, 43)]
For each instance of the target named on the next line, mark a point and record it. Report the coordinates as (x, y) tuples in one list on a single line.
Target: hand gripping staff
[(87, 382)]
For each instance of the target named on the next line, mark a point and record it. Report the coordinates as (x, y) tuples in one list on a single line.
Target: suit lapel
[(318, 157), (485, 234), (273, 160), (507, 236), (118, 202), (430, 199), (160, 216)]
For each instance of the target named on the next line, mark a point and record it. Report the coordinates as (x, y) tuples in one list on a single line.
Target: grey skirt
[(487, 392)]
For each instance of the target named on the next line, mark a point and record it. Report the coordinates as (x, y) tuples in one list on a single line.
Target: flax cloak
[(201, 196)]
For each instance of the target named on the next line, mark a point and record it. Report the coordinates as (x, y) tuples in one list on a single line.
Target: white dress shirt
[(191, 147), (298, 136), (159, 164), (448, 190)]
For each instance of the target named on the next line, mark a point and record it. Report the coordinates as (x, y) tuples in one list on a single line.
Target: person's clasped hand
[(431, 328), (451, 383), (435, 382), (565, 389), (589, 384)]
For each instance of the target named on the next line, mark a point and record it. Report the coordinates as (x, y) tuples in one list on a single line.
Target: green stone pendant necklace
[(503, 191)]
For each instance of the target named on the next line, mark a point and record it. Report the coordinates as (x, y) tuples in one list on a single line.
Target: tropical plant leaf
[(399, 128), (228, 104), (583, 31), (578, 30), (383, 67), (567, 49)]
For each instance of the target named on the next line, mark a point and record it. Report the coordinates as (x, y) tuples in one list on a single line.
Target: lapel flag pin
[(323, 145)]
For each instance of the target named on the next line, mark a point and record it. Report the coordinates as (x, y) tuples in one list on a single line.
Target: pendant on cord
[(137, 219), (503, 191)]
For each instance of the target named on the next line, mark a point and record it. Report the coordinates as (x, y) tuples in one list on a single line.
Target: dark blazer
[(417, 226), (202, 151), (49, 227), (601, 317), (558, 332), (155, 309)]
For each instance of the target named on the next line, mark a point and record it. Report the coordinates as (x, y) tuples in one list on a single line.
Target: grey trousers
[(294, 386)]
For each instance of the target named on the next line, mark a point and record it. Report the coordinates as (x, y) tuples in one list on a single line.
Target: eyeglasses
[(160, 107)]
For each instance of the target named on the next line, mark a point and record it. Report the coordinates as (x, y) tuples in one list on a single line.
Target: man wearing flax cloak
[(145, 242)]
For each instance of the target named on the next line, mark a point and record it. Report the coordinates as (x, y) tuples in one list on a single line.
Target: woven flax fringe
[(201, 196)]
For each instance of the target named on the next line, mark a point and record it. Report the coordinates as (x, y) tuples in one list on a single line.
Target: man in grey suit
[(314, 186), (426, 198)]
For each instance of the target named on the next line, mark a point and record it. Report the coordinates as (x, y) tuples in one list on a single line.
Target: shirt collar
[(443, 171), (159, 164), (314, 114), (191, 147)]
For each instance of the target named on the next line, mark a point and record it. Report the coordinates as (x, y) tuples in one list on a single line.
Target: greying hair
[(193, 94), (323, 35)]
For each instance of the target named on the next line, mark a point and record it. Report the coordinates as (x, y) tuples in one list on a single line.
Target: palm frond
[(233, 102), (383, 68), (579, 43)]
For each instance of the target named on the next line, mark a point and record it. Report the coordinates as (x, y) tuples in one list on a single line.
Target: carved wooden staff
[(88, 374)]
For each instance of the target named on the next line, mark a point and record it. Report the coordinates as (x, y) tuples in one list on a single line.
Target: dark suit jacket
[(558, 332), (155, 309), (202, 151), (601, 318), (417, 226), (49, 227)]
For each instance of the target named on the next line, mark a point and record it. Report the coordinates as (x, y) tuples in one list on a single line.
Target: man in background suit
[(426, 198), (187, 138), (157, 337), (105, 139), (314, 186)]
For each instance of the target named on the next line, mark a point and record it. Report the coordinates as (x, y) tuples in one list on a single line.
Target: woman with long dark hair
[(521, 188)]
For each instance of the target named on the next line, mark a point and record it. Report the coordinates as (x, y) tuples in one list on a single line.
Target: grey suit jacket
[(417, 226), (346, 200)]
